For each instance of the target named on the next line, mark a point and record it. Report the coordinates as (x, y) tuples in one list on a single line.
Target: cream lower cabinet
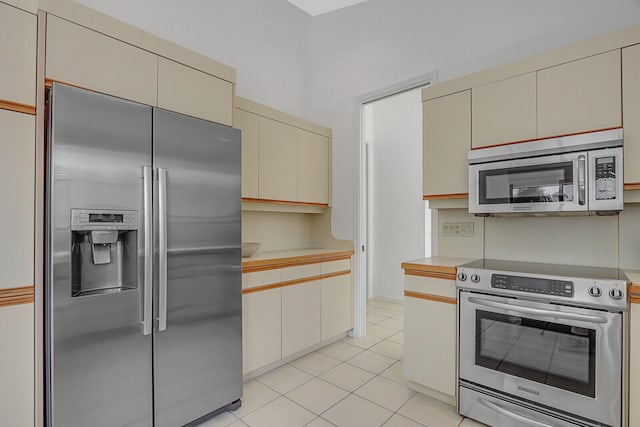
[(430, 335), (631, 108), (17, 365), (278, 161), (337, 306), (300, 317), (580, 96), (249, 124), (634, 374), (261, 328), (18, 32), (446, 142)]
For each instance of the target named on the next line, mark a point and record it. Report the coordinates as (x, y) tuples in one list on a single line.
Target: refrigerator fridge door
[(197, 341), (99, 370)]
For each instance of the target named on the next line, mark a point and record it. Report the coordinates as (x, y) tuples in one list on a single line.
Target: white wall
[(266, 41), (375, 44), (397, 211)]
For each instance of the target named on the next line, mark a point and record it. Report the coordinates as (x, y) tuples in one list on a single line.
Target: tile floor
[(350, 383)]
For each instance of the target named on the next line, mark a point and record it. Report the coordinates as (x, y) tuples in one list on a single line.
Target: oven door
[(541, 184), (562, 357)]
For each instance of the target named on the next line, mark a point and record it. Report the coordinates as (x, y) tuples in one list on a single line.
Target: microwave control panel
[(605, 178), (562, 288)]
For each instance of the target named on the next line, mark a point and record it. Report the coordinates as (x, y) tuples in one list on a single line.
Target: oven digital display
[(561, 288), (105, 217)]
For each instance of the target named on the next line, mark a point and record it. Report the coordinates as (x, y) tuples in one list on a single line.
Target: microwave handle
[(538, 311), (581, 179), (517, 417)]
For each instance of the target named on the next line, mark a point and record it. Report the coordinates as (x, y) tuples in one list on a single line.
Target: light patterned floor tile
[(315, 363), (254, 396), (381, 331), (354, 411), (341, 350), (280, 413), (385, 312), (468, 422), (399, 316), (395, 373), (392, 323), (317, 395), (386, 393), (374, 318), (400, 421), (431, 412), (221, 420), (347, 377), (285, 378), (372, 362), (364, 342), (399, 337), (319, 422), (238, 423), (388, 348)]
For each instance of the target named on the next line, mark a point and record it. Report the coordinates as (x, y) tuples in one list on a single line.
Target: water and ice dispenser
[(104, 249)]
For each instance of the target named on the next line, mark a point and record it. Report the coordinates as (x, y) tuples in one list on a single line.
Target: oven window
[(527, 184), (549, 353)]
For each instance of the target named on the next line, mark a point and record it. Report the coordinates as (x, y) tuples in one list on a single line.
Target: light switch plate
[(457, 229)]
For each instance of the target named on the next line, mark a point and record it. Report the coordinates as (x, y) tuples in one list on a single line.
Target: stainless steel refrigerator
[(143, 275)]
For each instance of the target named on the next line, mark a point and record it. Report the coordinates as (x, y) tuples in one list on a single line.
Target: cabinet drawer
[(192, 92), (261, 278), (18, 32), (300, 272), (335, 266), (88, 59), (430, 286)]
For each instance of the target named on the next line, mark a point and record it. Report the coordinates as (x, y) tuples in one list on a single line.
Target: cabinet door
[(249, 124), (17, 171), (504, 111), (17, 365), (631, 108), (88, 59), (278, 165), (336, 306), (634, 374), (580, 96), (192, 92), (446, 128), (261, 328), (430, 344), (18, 32), (300, 317), (313, 167)]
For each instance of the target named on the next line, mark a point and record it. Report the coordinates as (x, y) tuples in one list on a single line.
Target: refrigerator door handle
[(147, 305), (162, 244)]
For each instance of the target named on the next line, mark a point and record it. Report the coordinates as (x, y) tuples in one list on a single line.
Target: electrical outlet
[(457, 229)]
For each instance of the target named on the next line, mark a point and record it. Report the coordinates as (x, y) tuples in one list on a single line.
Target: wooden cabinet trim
[(294, 282), (632, 186), (284, 202), (634, 293), (438, 298), (432, 274), (545, 138), (445, 196), (414, 269), (17, 107), (270, 264), (16, 296)]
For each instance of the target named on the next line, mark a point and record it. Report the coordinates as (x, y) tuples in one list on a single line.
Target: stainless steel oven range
[(542, 344)]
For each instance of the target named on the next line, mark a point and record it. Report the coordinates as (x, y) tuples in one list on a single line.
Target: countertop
[(436, 264), (288, 258)]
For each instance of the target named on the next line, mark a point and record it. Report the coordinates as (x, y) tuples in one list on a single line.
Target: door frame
[(360, 208)]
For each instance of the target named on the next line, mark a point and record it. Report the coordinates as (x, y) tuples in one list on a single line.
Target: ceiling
[(318, 7)]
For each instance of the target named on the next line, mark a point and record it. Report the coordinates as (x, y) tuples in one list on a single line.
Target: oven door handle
[(517, 417), (538, 311)]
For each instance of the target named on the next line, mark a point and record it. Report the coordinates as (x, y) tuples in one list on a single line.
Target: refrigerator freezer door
[(99, 362), (198, 357)]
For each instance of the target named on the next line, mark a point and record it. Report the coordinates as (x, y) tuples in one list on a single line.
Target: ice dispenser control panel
[(90, 219)]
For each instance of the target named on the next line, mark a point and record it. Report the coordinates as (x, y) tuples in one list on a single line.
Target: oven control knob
[(616, 293), (462, 276), (595, 291), (475, 278)]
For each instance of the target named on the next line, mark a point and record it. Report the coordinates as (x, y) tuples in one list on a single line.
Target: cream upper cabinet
[(631, 108), (634, 374), (18, 32), (580, 96), (249, 124), (336, 306), (300, 317), (313, 167), (278, 161), (91, 60), (504, 111), (261, 328), (192, 92), (446, 142), (17, 171), (17, 365)]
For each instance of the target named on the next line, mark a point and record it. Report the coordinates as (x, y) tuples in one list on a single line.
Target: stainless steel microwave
[(577, 174)]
